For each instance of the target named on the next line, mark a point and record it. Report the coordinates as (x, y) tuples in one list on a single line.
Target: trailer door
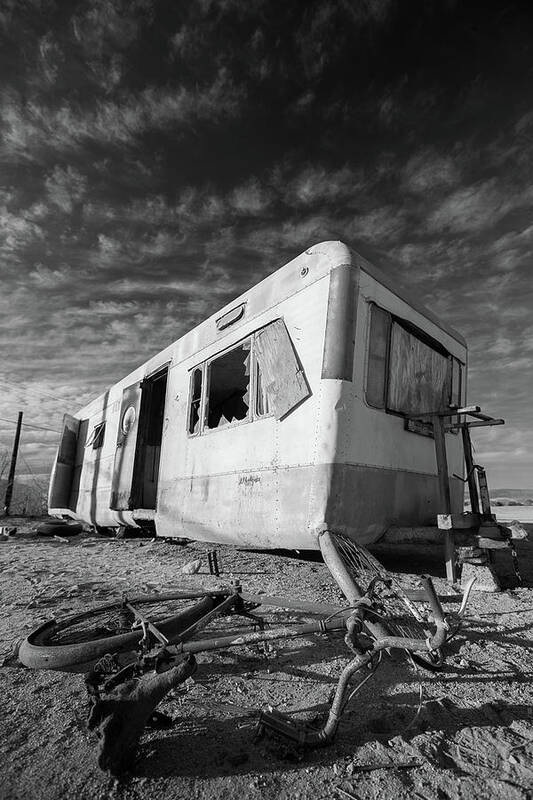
[(63, 470), (123, 469)]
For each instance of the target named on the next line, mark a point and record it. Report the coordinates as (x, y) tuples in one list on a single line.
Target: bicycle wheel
[(354, 568), (78, 641)]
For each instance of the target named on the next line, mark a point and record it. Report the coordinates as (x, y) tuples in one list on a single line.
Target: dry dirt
[(472, 736)]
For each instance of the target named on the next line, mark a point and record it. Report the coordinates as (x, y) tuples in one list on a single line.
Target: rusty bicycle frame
[(162, 643)]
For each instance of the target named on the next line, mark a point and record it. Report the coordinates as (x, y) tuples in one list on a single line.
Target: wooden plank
[(484, 491), (418, 375), (479, 415), (491, 544), (444, 492), (453, 411), (282, 374), (486, 423), (458, 521)]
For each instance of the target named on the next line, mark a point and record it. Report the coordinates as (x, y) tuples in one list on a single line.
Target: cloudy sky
[(157, 158)]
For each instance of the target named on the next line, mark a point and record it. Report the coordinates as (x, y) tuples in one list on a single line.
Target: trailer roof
[(327, 255)]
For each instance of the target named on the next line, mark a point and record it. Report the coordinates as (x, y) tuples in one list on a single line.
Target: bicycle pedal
[(271, 720)]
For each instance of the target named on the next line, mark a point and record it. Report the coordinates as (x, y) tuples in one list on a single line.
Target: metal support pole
[(11, 477), (470, 472)]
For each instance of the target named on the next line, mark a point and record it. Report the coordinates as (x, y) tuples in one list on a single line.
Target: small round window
[(128, 419)]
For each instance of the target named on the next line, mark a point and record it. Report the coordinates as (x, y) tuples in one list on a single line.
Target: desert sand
[(471, 734)]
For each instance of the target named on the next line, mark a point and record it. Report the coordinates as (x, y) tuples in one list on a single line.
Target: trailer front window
[(376, 379), (408, 372), (418, 375)]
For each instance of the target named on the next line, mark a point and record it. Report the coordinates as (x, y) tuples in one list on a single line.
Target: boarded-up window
[(228, 394), (283, 377), (407, 372), (376, 377), (418, 375)]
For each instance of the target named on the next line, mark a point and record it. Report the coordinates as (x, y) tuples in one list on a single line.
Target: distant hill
[(508, 497), (516, 494)]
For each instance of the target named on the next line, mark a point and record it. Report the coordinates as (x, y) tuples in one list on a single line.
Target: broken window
[(196, 400), (228, 394), (407, 372), (258, 377)]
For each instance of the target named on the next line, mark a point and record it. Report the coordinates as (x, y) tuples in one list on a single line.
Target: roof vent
[(230, 317)]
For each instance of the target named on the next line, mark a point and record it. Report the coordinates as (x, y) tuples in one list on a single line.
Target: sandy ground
[(472, 737)]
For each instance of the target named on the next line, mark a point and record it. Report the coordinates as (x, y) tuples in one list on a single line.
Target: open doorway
[(149, 438)]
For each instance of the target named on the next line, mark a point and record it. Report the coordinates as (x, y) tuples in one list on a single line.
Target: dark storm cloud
[(159, 158)]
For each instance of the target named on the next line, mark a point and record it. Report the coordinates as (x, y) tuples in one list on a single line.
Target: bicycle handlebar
[(276, 721)]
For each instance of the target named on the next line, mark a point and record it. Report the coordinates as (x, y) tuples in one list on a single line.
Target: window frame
[(97, 437), (252, 416), (422, 336), (207, 387), (190, 399), (383, 406)]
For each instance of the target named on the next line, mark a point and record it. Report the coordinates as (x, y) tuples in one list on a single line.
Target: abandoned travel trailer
[(290, 412)]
